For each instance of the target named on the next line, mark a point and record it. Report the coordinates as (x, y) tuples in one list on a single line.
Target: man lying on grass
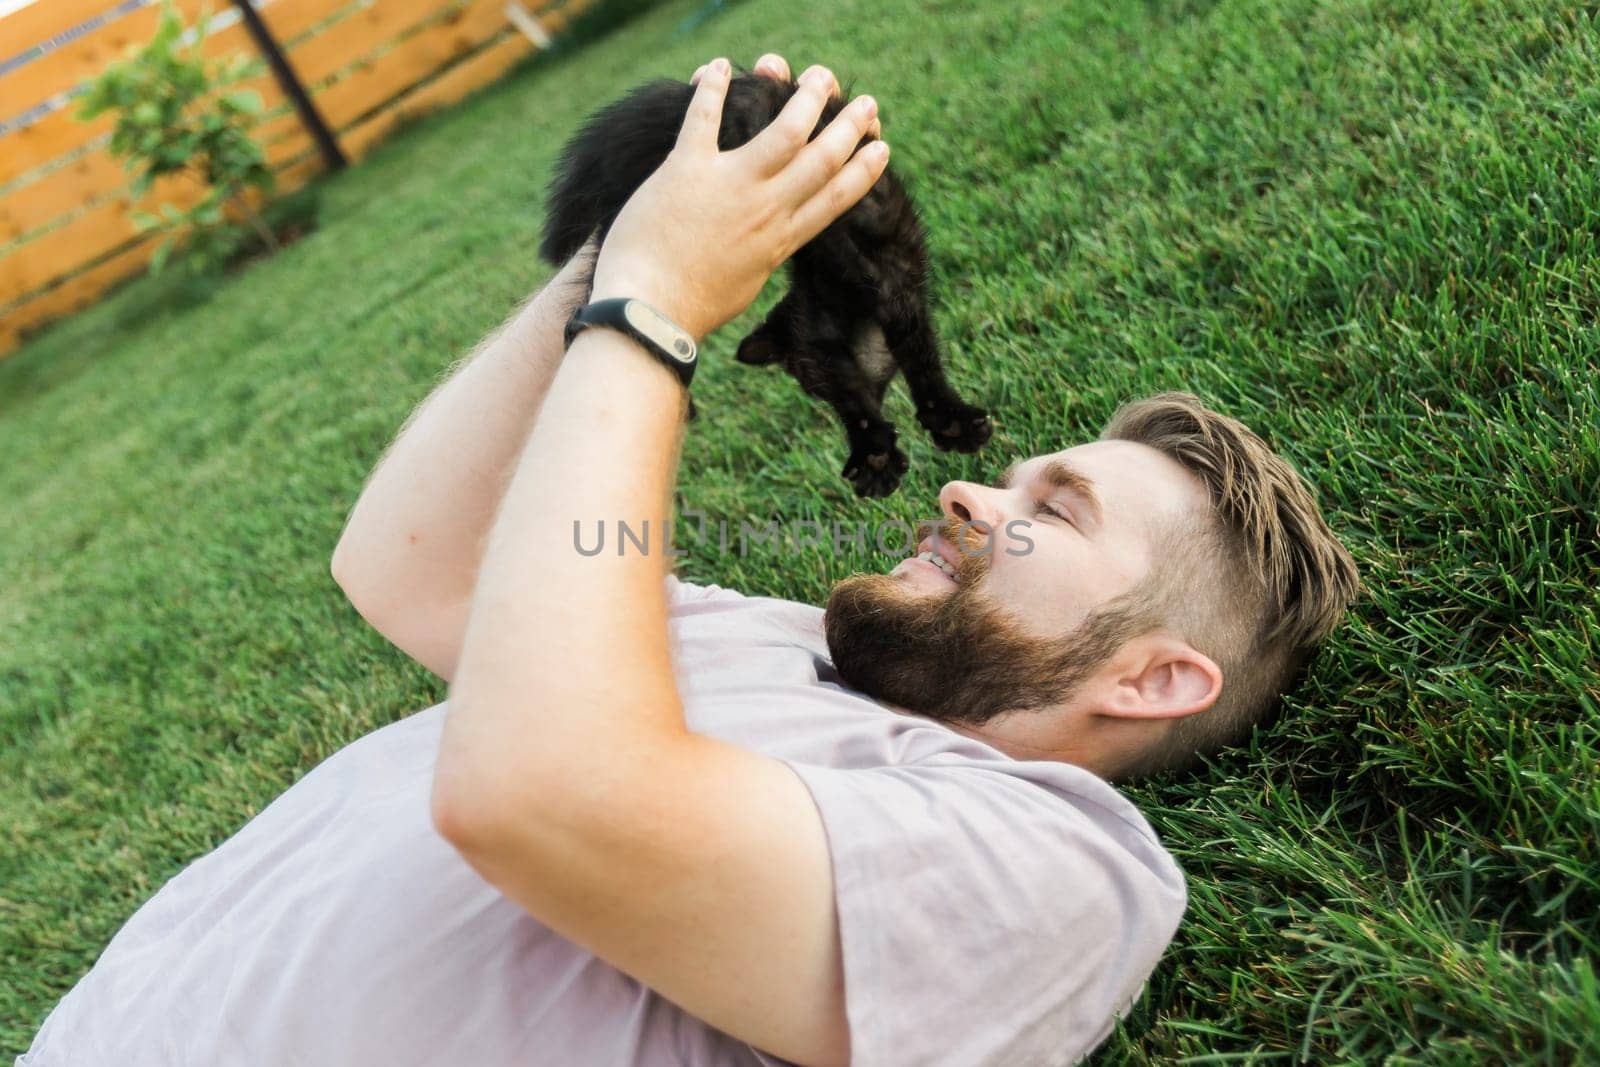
[(665, 823)]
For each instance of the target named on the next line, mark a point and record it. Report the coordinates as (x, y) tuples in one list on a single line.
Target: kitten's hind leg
[(828, 370), (953, 424)]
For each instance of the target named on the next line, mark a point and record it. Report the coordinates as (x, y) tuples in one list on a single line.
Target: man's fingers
[(819, 161), (772, 65), (704, 118), (842, 191), (776, 145)]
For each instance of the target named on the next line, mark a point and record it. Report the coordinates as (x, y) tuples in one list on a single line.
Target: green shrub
[(177, 114)]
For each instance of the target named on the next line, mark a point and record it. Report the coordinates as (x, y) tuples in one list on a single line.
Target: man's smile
[(928, 568), (938, 560)]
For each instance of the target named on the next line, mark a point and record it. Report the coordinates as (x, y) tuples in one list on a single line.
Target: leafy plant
[(178, 114)]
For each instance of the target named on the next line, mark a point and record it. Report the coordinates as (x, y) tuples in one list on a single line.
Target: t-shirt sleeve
[(986, 918), (681, 593)]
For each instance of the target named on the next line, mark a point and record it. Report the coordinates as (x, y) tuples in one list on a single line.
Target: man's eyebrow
[(1063, 475)]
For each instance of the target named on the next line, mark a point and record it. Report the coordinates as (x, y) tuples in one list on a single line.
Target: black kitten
[(857, 305)]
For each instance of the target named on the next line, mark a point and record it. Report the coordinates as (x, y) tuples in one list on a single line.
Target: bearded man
[(662, 823)]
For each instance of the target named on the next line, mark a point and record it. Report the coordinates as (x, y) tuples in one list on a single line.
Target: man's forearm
[(567, 775), (589, 631), (409, 555)]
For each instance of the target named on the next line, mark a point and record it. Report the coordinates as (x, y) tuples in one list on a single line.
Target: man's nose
[(971, 502)]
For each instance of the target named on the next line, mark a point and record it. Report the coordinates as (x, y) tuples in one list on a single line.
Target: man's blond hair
[(1255, 584)]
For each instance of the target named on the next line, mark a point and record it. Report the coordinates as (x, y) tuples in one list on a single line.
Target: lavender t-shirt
[(990, 910)]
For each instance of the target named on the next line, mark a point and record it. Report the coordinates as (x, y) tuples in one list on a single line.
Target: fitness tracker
[(661, 337)]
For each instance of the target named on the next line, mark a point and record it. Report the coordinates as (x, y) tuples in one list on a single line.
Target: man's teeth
[(938, 561)]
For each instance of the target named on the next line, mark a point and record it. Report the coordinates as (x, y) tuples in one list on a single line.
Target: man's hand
[(771, 65), (701, 236)]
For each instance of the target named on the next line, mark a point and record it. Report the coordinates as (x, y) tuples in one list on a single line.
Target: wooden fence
[(66, 231)]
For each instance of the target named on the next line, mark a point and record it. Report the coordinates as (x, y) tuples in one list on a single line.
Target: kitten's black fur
[(857, 305)]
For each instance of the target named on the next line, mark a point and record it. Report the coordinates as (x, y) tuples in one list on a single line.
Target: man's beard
[(959, 657)]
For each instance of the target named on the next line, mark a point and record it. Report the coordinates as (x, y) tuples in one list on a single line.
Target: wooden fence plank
[(288, 19), (95, 176), (377, 80), (275, 128), (36, 204), (51, 137), (99, 230), (450, 87), (61, 131), (37, 278), (87, 286), (559, 16), (77, 292), (42, 20), (324, 53), (94, 173), (61, 70), (353, 38), (289, 147), (294, 175)]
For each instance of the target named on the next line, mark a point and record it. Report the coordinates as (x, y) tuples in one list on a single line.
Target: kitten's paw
[(875, 470), (956, 427)]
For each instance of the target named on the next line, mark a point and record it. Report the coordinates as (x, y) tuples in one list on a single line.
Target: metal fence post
[(329, 145)]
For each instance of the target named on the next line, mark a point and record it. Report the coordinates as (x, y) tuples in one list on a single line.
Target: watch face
[(660, 329)]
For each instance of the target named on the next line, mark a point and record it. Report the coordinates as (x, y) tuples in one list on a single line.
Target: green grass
[(1367, 229)]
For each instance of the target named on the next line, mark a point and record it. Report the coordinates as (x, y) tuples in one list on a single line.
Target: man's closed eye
[(1050, 507)]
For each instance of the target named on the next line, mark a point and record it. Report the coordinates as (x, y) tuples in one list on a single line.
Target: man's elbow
[(471, 812), (459, 805), (398, 603), (473, 784), (491, 800), (349, 574), (353, 576), (454, 816)]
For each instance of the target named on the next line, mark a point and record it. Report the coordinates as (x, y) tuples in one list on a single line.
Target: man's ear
[(1161, 676)]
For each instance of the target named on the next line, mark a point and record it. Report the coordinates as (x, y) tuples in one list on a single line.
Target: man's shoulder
[(1052, 800), (1097, 799), (1036, 882)]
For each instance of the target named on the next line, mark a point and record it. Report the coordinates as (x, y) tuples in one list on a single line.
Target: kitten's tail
[(623, 143), (618, 147), (575, 211), (563, 236)]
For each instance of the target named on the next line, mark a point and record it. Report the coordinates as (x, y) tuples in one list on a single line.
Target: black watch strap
[(660, 336)]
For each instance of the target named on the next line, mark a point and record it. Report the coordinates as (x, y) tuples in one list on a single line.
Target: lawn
[(1367, 229)]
